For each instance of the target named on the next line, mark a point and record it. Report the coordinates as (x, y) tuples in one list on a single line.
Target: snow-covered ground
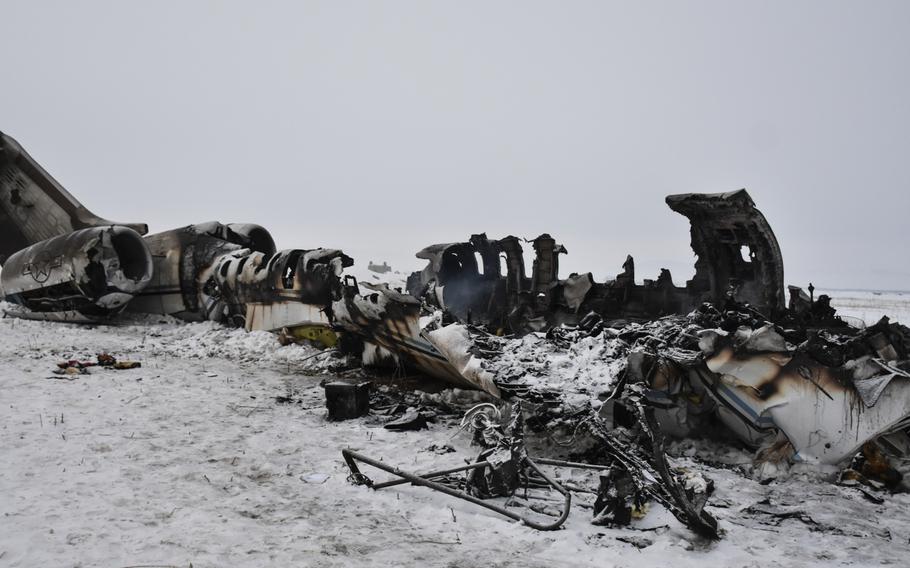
[(191, 460), (870, 306)]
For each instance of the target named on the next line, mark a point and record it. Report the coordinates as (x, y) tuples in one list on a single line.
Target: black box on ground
[(347, 399)]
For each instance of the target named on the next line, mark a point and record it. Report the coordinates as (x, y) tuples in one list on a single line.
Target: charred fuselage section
[(291, 289), (184, 260), (233, 274), (62, 262), (737, 253), (484, 281)]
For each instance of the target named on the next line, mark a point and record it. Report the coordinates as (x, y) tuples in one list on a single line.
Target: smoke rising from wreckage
[(725, 353)]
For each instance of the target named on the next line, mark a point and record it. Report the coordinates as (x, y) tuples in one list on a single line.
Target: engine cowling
[(94, 272), (183, 261)]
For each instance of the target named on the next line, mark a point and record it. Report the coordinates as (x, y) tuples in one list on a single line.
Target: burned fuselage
[(62, 262), (184, 259), (290, 289), (737, 258)]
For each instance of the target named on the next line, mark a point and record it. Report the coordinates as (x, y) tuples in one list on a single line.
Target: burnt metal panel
[(738, 254), (93, 271), (250, 285)]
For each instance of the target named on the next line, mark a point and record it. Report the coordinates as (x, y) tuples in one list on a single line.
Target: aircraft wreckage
[(777, 369)]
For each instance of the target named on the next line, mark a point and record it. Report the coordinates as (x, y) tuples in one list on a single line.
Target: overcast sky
[(382, 127)]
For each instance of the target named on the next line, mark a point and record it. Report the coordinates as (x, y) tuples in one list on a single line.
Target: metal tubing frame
[(352, 457)]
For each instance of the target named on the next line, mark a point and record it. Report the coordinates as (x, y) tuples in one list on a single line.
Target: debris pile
[(615, 367), (103, 360), (809, 394), (792, 393), (632, 476)]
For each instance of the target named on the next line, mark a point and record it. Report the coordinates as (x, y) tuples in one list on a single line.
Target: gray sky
[(381, 127)]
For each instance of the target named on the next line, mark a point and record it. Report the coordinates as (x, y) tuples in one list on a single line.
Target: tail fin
[(34, 206)]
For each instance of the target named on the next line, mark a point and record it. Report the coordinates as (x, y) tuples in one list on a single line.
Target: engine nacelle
[(183, 261), (94, 272)]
